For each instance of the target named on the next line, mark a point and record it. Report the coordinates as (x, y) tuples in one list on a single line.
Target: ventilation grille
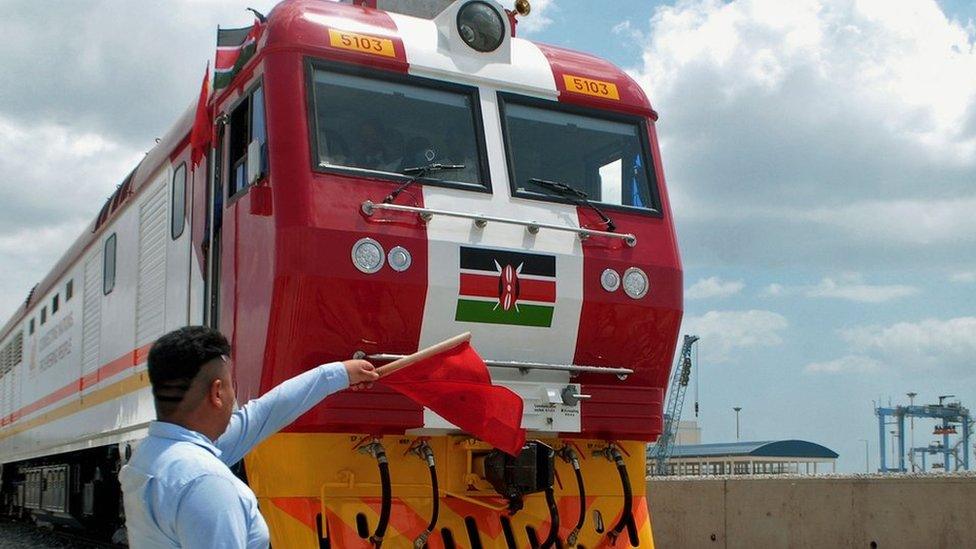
[(151, 293), (91, 328), (12, 353)]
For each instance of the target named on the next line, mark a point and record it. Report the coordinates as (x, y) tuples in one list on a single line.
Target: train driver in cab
[(178, 488)]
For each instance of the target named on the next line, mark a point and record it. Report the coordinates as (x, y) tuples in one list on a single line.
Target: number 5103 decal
[(588, 86), (361, 43)]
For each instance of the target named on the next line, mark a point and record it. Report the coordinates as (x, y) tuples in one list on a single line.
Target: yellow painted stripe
[(116, 390)]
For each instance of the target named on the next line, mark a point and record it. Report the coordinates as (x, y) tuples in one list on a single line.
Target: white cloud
[(852, 288), (714, 286), (539, 18), (53, 180), (932, 344), (835, 131), (848, 286), (849, 363), (774, 290), (724, 332), (80, 63), (53, 172), (964, 278), (26, 255), (917, 221)]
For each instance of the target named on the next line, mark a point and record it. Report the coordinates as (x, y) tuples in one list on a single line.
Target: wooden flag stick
[(422, 354)]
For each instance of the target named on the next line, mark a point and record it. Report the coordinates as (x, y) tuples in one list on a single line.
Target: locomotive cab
[(384, 182)]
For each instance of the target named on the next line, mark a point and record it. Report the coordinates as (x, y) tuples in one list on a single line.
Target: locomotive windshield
[(384, 126), (605, 158)]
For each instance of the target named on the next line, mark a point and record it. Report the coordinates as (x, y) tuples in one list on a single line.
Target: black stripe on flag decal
[(232, 37), (482, 259)]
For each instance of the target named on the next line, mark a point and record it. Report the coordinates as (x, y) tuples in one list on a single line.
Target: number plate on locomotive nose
[(361, 43), (588, 86)]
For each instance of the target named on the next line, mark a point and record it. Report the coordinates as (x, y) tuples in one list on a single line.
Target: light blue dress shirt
[(177, 488)]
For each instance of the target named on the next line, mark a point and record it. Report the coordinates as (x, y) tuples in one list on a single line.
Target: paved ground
[(15, 535)]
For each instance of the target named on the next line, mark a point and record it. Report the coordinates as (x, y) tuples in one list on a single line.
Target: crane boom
[(660, 452)]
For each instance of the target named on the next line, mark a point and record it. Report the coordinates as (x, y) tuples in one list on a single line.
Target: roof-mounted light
[(480, 26)]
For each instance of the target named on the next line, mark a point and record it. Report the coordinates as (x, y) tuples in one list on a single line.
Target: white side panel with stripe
[(94, 329)]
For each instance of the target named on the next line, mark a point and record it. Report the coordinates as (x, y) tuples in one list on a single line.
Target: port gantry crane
[(660, 452)]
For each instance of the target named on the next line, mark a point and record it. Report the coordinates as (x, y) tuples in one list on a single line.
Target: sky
[(820, 156)]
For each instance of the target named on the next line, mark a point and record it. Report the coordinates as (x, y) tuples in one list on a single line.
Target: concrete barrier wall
[(806, 512)]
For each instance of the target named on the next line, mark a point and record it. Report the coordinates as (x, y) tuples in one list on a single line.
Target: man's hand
[(361, 373)]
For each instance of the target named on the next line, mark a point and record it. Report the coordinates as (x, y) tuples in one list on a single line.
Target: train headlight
[(480, 26), (367, 255), (610, 280), (399, 259), (635, 283)]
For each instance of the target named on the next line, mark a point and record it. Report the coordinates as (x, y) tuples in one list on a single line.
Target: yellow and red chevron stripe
[(328, 491)]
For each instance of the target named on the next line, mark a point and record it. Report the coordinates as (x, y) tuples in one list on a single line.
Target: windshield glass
[(384, 126), (603, 158)]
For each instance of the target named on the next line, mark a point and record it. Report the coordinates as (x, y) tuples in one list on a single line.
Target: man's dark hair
[(176, 358)]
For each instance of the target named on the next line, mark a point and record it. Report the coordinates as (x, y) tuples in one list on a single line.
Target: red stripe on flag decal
[(487, 286)]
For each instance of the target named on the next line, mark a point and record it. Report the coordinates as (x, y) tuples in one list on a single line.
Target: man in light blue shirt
[(178, 489)]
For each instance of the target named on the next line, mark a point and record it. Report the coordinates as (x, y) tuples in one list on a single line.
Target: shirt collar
[(179, 433)]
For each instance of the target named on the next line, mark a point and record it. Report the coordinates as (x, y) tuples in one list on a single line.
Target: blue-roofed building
[(768, 457)]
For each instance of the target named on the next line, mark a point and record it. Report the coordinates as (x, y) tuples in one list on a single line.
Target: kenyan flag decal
[(504, 287)]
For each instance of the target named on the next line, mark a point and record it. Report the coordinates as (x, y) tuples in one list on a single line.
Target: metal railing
[(622, 373), (480, 220)]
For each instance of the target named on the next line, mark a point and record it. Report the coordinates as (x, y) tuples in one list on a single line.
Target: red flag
[(202, 132), (457, 386)]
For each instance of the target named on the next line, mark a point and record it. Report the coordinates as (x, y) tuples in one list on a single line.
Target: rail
[(480, 220), (622, 373)]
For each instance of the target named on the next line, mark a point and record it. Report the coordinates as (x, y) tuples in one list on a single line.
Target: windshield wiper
[(419, 172), (579, 196)]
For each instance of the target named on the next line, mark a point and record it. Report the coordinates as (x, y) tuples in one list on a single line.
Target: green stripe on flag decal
[(469, 310)]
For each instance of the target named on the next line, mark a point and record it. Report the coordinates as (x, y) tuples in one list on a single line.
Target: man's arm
[(265, 416), (211, 515)]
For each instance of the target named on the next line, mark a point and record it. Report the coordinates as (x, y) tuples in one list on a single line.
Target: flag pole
[(422, 354)]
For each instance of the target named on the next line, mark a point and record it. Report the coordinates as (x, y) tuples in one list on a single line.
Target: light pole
[(867, 464), (911, 430), (737, 410), (894, 448)]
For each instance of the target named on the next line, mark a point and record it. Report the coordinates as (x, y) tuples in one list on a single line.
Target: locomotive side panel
[(82, 381)]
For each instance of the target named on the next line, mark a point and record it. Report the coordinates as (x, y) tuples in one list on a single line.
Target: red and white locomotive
[(380, 180)]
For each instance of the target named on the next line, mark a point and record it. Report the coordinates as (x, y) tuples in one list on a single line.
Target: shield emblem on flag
[(506, 287)]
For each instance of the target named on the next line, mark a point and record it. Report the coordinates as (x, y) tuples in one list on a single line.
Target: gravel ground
[(19, 535)]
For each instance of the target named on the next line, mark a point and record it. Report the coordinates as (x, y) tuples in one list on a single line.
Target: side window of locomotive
[(108, 267), (247, 136), (384, 126), (604, 156), (178, 211)]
